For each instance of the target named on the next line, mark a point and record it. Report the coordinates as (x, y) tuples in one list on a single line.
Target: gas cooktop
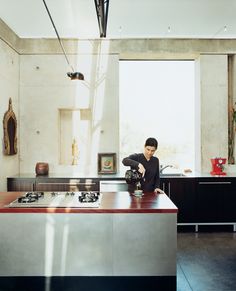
[(89, 199)]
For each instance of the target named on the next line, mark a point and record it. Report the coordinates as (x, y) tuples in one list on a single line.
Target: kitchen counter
[(128, 243), (111, 202), (119, 176), (78, 182), (70, 175)]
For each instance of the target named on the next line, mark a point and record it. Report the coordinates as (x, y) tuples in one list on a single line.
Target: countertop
[(118, 176), (70, 176), (112, 202)]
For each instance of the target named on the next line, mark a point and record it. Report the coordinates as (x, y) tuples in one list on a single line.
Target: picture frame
[(107, 163)]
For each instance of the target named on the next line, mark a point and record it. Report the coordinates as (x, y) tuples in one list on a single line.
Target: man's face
[(149, 151)]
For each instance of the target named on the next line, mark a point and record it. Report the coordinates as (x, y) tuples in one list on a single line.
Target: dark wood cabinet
[(182, 193), (228, 204), (216, 199), (23, 184), (210, 200), (66, 184)]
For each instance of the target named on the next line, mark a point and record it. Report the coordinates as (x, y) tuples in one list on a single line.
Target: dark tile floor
[(206, 261)]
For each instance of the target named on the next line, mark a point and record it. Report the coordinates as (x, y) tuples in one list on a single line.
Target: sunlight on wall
[(98, 106), (157, 99), (84, 121)]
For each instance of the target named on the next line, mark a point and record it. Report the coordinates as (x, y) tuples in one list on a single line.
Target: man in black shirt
[(147, 165)]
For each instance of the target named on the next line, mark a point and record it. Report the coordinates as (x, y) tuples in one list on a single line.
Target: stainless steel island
[(127, 243)]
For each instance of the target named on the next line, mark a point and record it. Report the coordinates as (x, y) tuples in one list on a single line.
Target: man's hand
[(141, 169), (158, 190)]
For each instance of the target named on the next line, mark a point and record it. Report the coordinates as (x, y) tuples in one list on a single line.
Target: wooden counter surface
[(112, 202)]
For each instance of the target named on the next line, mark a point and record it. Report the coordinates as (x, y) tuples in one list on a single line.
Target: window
[(157, 100)]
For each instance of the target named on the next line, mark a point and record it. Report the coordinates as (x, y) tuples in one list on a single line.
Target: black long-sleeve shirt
[(151, 179)]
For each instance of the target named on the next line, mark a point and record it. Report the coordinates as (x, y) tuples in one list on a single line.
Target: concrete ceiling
[(126, 18)]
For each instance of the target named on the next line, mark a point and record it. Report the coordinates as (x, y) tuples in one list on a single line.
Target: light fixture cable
[(74, 75)]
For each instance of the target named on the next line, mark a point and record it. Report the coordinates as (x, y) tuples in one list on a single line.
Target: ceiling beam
[(102, 15)]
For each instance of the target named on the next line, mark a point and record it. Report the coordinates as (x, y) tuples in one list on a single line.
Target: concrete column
[(213, 108)]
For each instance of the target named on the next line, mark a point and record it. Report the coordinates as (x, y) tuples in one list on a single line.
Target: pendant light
[(72, 75)]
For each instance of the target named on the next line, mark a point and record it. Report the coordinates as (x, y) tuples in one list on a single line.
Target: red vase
[(41, 168)]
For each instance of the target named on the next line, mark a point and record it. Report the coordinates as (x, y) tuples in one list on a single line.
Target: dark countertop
[(112, 202), (118, 176), (70, 176)]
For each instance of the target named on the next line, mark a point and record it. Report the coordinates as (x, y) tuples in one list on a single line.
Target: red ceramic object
[(41, 168), (218, 166)]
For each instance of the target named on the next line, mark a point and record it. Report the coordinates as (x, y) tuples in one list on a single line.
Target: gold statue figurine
[(75, 152)]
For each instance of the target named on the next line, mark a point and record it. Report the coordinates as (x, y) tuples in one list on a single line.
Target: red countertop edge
[(112, 202), (83, 211)]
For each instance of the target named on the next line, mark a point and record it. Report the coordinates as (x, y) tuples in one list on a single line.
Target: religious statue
[(10, 131), (75, 152)]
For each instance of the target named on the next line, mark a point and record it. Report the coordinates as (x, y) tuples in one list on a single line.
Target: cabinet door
[(113, 185), (214, 199), (62, 184), (164, 185), (181, 191), (17, 184)]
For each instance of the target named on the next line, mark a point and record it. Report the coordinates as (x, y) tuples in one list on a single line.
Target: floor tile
[(206, 261)]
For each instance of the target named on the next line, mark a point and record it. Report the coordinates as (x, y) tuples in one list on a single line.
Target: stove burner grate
[(30, 197), (35, 195), (88, 197), (58, 199), (26, 199)]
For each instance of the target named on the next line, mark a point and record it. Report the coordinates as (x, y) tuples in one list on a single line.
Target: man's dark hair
[(151, 142)]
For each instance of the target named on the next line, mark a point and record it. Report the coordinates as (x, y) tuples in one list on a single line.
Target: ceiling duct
[(102, 15), (72, 75)]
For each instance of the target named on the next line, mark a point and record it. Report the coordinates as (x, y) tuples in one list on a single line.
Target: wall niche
[(74, 128)]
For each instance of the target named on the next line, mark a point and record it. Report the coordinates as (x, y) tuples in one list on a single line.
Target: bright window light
[(157, 100)]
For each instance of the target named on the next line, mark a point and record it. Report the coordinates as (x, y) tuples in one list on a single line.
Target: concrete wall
[(9, 87), (45, 88), (214, 108)]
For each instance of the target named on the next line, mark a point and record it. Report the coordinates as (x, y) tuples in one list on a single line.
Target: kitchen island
[(127, 243)]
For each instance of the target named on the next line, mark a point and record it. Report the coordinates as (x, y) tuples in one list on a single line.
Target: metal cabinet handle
[(72, 184), (112, 182), (163, 187), (169, 189), (214, 183)]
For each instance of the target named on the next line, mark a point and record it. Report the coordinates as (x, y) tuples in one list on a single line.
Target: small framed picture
[(106, 163)]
